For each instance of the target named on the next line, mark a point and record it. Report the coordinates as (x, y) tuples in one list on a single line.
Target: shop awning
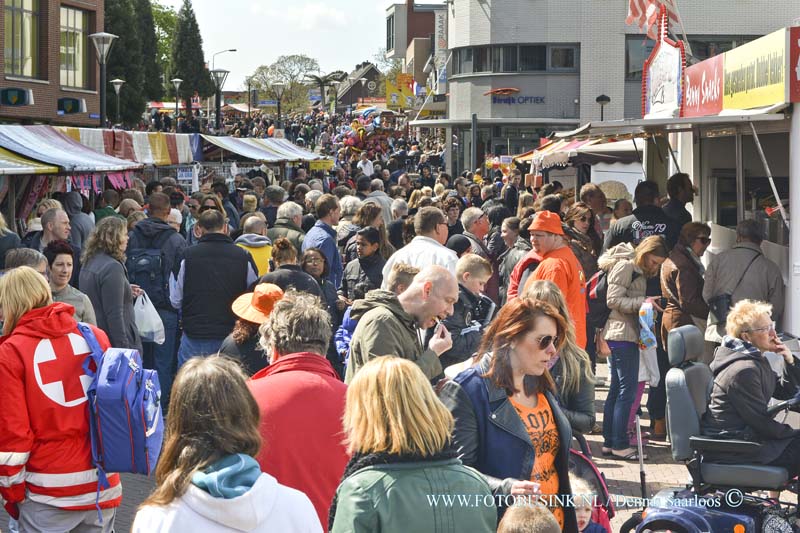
[(48, 145), (292, 151), (148, 148), (239, 108), (560, 153), (11, 164)]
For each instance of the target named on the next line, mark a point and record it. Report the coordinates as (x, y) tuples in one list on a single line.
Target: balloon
[(271, 131)]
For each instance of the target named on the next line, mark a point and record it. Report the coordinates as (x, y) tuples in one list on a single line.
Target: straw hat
[(256, 306)]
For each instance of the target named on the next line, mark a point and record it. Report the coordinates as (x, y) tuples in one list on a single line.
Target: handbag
[(720, 305)]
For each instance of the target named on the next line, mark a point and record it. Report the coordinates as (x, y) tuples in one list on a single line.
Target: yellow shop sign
[(755, 73)]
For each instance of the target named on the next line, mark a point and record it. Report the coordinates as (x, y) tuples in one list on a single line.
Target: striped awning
[(13, 164), (147, 148)]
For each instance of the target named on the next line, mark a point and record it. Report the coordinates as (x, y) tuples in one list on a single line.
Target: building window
[(480, 59), (532, 58), (74, 49), (563, 58), (390, 33), (21, 40), (456, 61), (637, 50), (509, 59)]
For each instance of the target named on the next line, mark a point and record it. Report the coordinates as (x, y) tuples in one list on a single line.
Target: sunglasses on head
[(547, 340)]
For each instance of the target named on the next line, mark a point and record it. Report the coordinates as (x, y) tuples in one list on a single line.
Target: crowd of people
[(340, 349)]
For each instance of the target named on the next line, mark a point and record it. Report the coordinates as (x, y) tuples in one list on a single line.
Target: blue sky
[(337, 33)]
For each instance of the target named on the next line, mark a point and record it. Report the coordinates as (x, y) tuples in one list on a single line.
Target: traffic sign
[(268, 102)]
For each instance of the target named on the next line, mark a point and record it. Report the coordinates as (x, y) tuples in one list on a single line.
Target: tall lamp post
[(603, 100), (176, 82), (214, 56), (117, 83), (363, 83), (219, 76), (102, 45), (351, 81), (279, 88)]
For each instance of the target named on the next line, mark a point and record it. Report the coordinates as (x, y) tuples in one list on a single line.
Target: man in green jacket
[(390, 325)]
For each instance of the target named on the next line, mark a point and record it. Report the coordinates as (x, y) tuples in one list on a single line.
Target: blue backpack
[(125, 420)]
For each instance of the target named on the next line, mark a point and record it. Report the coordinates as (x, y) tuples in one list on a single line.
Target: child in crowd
[(528, 519), (584, 498), (473, 311)]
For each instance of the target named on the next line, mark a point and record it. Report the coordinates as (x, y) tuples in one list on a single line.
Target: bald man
[(389, 324)]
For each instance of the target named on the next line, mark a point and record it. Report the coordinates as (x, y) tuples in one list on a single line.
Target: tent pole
[(769, 174), (639, 157)]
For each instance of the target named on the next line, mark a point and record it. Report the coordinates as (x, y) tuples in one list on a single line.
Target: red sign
[(794, 64), (702, 88)]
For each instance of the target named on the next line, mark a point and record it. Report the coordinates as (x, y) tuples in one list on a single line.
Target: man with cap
[(251, 309), (560, 266)]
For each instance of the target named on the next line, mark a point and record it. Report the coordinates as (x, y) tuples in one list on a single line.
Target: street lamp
[(603, 100), (219, 76), (102, 45), (279, 88), (363, 83), (176, 82), (117, 83), (214, 56), (352, 81)]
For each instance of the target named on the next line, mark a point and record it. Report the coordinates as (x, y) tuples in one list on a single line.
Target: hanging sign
[(663, 75), (755, 73), (702, 88)]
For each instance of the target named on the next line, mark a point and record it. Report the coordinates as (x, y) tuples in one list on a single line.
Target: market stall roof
[(46, 144), (292, 151), (643, 127), (11, 163), (245, 148), (239, 108), (560, 153), (148, 148)]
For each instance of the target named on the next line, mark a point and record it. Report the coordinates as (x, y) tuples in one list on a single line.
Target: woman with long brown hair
[(207, 477), (508, 402)]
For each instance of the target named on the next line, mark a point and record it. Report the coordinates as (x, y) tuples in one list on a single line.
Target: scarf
[(362, 461)]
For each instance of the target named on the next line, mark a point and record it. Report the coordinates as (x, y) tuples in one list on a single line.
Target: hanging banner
[(755, 73), (794, 64), (400, 95), (320, 164), (663, 75)]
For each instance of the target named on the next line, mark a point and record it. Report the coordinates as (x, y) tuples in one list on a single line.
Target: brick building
[(47, 54)]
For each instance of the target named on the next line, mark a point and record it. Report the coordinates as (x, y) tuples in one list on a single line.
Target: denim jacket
[(491, 437)]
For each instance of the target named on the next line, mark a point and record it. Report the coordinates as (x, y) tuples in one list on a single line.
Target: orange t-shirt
[(541, 427), (563, 268)]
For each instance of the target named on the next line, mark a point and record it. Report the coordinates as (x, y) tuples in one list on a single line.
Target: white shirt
[(366, 167), (421, 252), (267, 507)]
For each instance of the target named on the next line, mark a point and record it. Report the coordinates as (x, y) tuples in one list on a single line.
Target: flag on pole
[(644, 13)]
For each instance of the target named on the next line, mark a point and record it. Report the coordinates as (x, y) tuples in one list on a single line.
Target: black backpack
[(146, 269), (597, 298)]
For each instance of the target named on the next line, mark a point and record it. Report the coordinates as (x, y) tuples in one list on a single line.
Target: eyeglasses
[(770, 328), (704, 240), (314, 261), (547, 340)]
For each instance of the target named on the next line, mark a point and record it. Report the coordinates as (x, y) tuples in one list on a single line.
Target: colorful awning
[(267, 150), (148, 148), (48, 145), (11, 163)]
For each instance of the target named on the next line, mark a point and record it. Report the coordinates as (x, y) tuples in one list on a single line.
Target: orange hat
[(256, 306), (546, 221)]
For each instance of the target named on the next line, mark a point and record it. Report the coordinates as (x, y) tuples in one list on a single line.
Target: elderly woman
[(348, 206), (398, 433), (682, 280), (508, 402), (104, 279), (744, 382), (59, 256)]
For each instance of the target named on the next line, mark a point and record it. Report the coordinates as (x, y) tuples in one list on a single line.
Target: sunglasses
[(207, 207), (585, 218), (547, 340), (704, 240)]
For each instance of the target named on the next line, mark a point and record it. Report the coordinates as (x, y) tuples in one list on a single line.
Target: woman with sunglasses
[(583, 239), (509, 425), (744, 382), (209, 201), (682, 281)]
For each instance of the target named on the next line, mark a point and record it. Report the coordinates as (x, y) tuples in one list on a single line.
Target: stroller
[(581, 465)]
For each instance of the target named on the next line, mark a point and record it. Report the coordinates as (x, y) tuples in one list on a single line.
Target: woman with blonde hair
[(571, 368), (398, 433), (207, 476), (104, 279), (628, 270), (414, 201), (508, 403), (48, 427)]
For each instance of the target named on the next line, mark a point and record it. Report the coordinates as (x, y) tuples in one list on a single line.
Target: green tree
[(153, 88), (291, 71), (165, 20), (389, 69), (125, 62), (187, 61), (327, 80)]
